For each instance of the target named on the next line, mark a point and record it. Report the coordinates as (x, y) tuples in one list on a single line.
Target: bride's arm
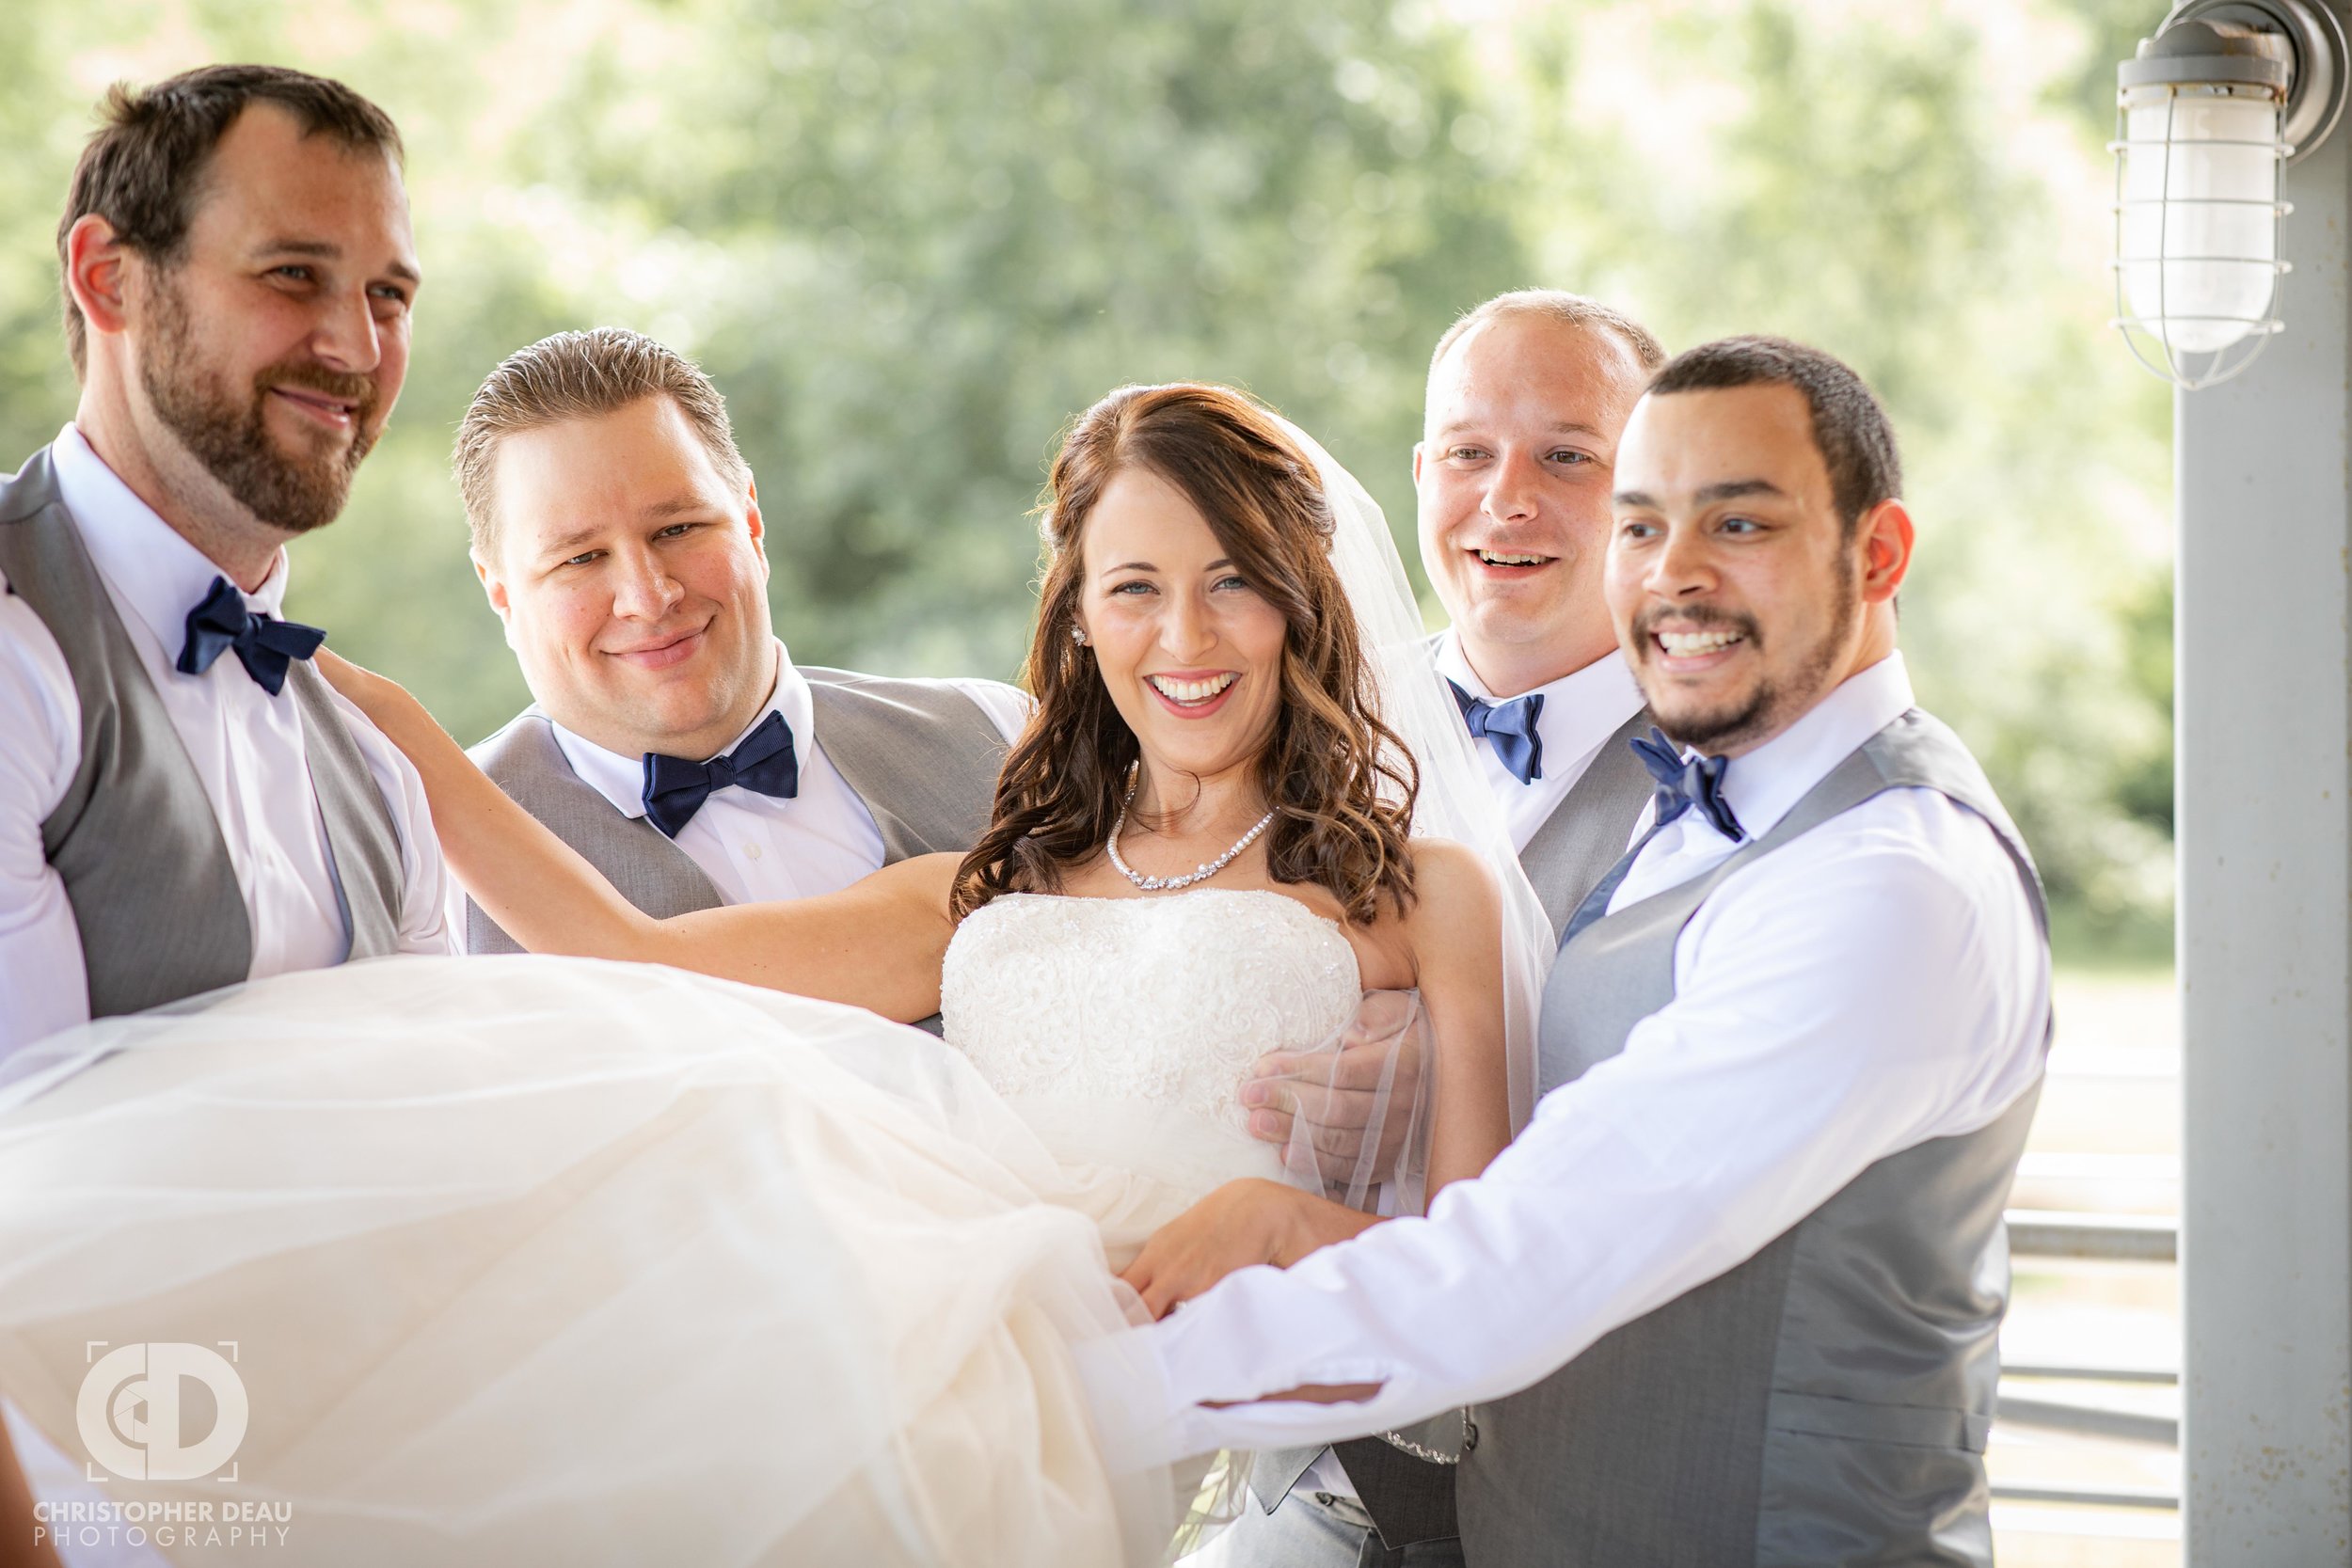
[(876, 944), (1455, 927)]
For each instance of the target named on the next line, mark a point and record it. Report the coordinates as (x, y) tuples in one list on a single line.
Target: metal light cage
[(2143, 333), (2290, 52)]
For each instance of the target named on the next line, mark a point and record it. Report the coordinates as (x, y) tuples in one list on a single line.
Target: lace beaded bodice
[(1164, 1001)]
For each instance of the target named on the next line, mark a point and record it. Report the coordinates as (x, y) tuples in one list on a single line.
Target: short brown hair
[(581, 375), (143, 170), (1341, 782), (1850, 428), (1568, 309)]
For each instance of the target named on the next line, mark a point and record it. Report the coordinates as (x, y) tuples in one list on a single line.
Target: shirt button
[(751, 852)]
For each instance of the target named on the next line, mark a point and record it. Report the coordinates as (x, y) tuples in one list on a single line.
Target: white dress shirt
[(1874, 984), (245, 745), (1579, 713), (759, 848)]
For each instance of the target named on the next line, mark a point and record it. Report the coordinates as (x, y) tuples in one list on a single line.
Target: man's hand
[(1242, 1222), (1333, 1096)]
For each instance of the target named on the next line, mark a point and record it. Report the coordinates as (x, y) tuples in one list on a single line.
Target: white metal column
[(2264, 774)]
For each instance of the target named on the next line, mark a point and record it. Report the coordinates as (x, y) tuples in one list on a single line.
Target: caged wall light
[(2209, 113)]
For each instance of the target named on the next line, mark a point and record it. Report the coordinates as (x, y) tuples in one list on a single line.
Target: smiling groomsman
[(183, 802), (673, 741), (1528, 395), (1734, 1295)]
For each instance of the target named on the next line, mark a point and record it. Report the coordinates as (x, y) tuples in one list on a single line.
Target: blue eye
[(1138, 585), (1233, 582)]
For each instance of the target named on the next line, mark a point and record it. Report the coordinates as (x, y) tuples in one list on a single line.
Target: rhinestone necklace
[(1169, 884)]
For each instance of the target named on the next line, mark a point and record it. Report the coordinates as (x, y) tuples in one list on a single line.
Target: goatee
[(224, 429), (1772, 704)]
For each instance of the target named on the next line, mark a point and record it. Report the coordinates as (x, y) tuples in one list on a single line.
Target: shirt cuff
[(1137, 1422)]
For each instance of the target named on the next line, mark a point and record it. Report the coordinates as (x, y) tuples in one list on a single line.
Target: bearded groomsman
[(184, 804), (1734, 1295), (1528, 396), (672, 740)]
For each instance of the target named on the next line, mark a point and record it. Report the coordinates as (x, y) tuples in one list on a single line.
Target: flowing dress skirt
[(530, 1260)]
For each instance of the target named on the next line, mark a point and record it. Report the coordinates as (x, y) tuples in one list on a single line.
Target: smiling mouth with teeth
[(1499, 558), (1691, 644), (1192, 693)]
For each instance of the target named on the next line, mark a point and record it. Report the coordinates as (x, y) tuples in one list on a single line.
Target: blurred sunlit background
[(910, 238)]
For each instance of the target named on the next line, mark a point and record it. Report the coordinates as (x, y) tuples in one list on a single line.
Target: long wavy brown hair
[(1329, 760)]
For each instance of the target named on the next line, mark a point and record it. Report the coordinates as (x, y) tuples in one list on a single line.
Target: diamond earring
[(1078, 635)]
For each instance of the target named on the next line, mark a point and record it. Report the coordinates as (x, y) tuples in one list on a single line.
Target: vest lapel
[(363, 846), (1590, 828), (914, 769), (642, 866)]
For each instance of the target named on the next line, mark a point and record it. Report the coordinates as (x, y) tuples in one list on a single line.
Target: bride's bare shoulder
[(1454, 894), (1446, 870)]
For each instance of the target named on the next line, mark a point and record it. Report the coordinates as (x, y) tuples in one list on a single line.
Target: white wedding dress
[(540, 1260)]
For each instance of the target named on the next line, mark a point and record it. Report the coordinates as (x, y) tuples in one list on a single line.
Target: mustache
[(1696, 618), (311, 376)]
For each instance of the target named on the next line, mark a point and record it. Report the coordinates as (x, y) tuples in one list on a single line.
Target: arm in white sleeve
[(43, 984), (1857, 1000)]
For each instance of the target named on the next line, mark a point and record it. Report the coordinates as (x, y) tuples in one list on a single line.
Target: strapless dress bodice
[(1160, 1001)]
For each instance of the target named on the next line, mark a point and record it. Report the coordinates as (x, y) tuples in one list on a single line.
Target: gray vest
[(133, 839), (1828, 1399), (1410, 1500), (921, 754)]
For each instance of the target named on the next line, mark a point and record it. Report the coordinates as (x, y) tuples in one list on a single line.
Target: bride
[(539, 1258)]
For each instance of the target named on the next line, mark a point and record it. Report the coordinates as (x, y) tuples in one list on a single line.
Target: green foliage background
[(910, 238)]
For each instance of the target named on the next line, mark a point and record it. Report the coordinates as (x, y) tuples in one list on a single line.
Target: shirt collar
[(1764, 785), (1581, 709), (149, 565), (621, 779)]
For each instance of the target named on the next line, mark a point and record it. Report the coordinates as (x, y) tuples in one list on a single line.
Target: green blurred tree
[(910, 240)]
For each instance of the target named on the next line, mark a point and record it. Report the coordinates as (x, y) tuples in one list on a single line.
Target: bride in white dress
[(570, 1260)]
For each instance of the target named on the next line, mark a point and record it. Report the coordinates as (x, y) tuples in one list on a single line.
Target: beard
[(223, 427), (1774, 703)]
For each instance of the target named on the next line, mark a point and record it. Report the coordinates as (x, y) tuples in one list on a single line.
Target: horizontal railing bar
[(2055, 1233), (2094, 1496), (2157, 1375), (2281, 147), (2086, 1421), (2170, 260)]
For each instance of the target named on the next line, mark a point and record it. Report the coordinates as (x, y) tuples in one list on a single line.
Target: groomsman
[(1528, 396), (183, 802), (672, 740), (1733, 1296)]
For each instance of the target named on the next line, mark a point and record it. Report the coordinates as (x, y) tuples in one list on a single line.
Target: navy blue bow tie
[(1681, 784), (676, 788), (265, 646), (1509, 727)]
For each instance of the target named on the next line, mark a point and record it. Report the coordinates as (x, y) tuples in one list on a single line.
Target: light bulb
[(2199, 230)]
